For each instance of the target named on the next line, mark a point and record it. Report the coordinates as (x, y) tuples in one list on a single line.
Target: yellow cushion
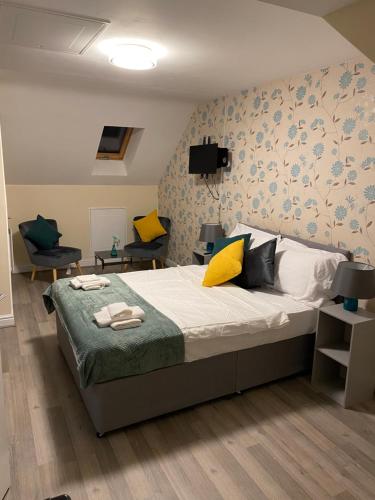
[(225, 265), (149, 227)]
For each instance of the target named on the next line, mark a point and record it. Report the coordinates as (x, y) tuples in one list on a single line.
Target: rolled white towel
[(87, 277), (119, 310), (100, 282), (74, 283), (104, 319), (93, 285), (132, 312), (125, 323), (137, 313)]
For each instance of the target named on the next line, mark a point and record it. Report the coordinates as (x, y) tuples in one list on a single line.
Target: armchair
[(56, 257), (154, 250)]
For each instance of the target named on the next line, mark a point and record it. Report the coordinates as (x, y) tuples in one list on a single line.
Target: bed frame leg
[(99, 435)]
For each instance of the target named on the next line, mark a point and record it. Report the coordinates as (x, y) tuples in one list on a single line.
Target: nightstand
[(200, 257), (344, 359)]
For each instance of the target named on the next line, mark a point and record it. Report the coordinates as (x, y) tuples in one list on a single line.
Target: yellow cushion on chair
[(149, 227), (225, 265)]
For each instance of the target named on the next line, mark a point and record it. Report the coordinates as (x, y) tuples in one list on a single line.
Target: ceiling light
[(132, 54)]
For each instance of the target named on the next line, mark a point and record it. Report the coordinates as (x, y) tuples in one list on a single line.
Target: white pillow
[(258, 237), (297, 245), (305, 273)]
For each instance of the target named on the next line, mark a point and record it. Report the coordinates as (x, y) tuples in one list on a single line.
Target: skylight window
[(113, 143)]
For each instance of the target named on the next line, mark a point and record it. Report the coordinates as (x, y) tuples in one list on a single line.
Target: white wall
[(52, 128), (69, 205), (6, 306)]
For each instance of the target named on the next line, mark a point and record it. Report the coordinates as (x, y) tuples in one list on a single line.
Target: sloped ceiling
[(53, 105), (51, 131), (316, 7), (361, 32)]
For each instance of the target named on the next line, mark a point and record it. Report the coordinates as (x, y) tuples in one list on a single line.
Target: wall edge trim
[(7, 320)]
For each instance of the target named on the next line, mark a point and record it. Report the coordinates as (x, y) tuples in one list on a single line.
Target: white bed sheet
[(220, 319), (302, 321)]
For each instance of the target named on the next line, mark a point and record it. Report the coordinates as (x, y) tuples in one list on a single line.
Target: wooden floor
[(279, 441)]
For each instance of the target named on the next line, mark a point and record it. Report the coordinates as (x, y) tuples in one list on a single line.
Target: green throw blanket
[(103, 354)]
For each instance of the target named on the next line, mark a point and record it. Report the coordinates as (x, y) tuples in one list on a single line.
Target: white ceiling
[(317, 7), (53, 105), (51, 131), (213, 47)]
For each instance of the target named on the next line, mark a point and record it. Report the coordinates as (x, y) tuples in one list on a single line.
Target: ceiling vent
[(45, 29)]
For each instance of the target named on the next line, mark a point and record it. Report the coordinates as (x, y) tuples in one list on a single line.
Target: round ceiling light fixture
[(132, 54)]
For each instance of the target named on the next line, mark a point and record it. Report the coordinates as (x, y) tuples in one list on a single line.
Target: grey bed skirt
[(128, 400)]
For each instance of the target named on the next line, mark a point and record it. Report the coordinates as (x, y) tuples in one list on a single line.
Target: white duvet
[(202, 312)]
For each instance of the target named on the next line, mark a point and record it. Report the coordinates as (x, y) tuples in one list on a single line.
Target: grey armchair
[(154, 250), (56, 257)]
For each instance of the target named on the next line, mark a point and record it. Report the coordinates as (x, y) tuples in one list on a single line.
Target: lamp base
[(350, 304), (210, 247)]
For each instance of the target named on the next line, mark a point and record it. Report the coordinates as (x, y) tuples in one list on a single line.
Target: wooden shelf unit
[(344, 366)]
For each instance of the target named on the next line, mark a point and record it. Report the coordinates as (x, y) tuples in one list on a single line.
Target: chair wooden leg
[(154, 263), (79, 267), (162, 264), (33, 273), (125, 267), (54, 273)]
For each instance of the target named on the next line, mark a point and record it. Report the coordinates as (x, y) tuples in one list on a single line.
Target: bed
[(242, 355)]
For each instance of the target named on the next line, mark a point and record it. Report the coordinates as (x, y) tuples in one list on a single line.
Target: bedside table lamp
[(354, 280), (210, 233)]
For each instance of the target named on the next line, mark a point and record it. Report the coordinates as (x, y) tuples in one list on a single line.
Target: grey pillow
[(258, 267)]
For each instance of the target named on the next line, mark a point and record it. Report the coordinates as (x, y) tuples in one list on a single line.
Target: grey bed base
[(128, 400)]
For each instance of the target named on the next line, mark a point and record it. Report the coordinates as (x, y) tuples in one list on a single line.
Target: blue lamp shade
[(353, 281), (210, 232)]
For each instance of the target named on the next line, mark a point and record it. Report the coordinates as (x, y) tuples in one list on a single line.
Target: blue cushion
[(221, 243), (43, 234)]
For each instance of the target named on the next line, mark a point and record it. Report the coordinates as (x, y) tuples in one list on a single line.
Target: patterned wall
[(303, 162)]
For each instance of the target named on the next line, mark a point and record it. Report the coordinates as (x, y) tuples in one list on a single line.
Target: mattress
[(302, 321), (220, 319)]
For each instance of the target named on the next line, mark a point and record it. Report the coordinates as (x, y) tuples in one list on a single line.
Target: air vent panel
[(48, 30)]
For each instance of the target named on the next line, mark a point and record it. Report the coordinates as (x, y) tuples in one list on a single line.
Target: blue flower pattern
[(340, 212), (337, 168), (302, 162), (349, 126)]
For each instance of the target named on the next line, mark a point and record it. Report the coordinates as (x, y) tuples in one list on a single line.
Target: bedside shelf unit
[(200, 257), (344, 360)]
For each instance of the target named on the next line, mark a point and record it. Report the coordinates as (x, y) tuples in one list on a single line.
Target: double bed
[(233, 339)]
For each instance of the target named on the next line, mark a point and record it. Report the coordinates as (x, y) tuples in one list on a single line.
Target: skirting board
[(7, 320)]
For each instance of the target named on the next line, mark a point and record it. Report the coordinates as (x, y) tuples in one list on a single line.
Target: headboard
[(309, 243)]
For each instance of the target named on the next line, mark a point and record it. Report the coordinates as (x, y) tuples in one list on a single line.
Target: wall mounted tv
[(207, 158)]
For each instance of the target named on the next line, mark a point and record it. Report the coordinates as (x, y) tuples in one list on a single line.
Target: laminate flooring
[(278, 441)]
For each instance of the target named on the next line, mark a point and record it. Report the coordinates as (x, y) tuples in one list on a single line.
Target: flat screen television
[(203, 159)]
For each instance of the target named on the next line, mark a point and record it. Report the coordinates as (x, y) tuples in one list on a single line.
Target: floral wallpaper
[(303, 162)]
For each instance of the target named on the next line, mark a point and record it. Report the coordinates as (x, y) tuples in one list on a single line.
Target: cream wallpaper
[(303, 162)]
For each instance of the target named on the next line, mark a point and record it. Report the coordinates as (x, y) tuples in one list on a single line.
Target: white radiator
[(105, 223)]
